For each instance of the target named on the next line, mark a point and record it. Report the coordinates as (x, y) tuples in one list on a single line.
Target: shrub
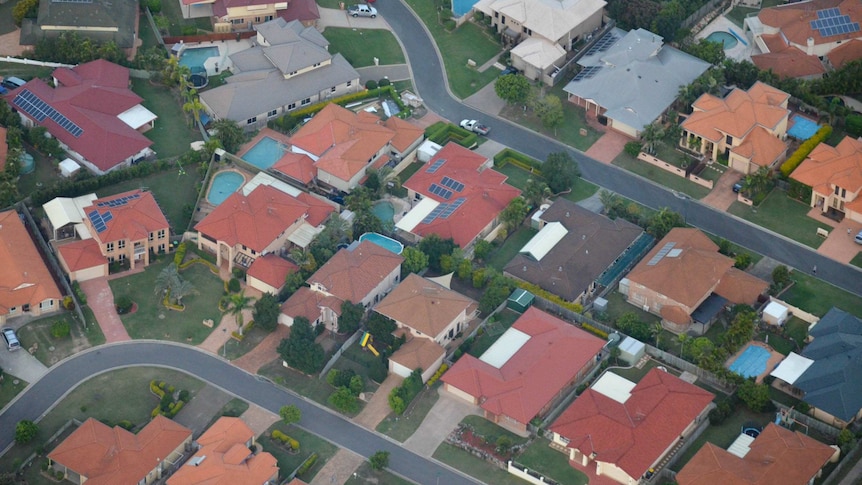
[(180, 254), (307, 464), (155, 389), (60, 329), (68, 303), (238, 273), (384, 82), (449, 24), (82, 297), (443, 368), (25, 431), (379, 460), (233, 285), (371, 84), (633, 148), (126, 424), (595, 331), (743, 260), (185, 396), (804, 150), (123, 304)]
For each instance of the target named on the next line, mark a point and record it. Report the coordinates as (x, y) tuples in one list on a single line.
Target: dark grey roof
[(592, 244), (80, 16), (709, 309)]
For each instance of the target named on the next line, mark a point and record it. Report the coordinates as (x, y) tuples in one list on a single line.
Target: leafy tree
[(513, 88), (293, 282), (549, 109), (630, 324), (25, 431), (414, 261), (343, 400), (465, 270), (396, 402), (725, 247), (846, 439), (743, 260), (351, 317), (709, 51), (740, 73), (356, 385), (435, 247), (781, 276), (366, 221), (304, 259), (266, 311), (381, 327), (380, 460), (60, 329), (238, 302), (741, 328), (663, 221), (514, 213), (25, 9), (498, 290), (754, 396), (564, 169), (481, 249), (290, 414), (299, 350), (535, 192), (229, 134)]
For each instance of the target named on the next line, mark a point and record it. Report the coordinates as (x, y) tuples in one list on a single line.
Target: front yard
[(312, 387), (784, 215), (402, 427), (662, 177), (817, 296), (50, 349), (308, 444), (551, 463), (361, 46)]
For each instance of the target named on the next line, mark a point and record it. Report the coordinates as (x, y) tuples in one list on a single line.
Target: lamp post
[(224, 346)]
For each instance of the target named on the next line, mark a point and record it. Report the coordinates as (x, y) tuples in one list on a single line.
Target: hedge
[(595, 331), (541, 293), (285, 439), (202, 261), (156, 388), (180, 254), (804, 150), (519, 160), (441, 133), (443, 368), (307, 464)]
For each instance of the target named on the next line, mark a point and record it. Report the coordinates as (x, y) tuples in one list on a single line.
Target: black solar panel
[(603, 44), (452, 184), (39, 110), (435, 166)]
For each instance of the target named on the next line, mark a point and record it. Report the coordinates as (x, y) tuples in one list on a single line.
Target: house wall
[(242, 18), (501, 23), (410, 151), (281, 106), (137, 251), (442, 338), (261, 286), (652, 301), (382, 288), (614, 472), (43, 307), (837, 201), (88, 273), (712, 149), (459, 393)]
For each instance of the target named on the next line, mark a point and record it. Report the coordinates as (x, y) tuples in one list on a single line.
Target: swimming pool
[(751, 362), (802, 128), (224, 184), (384, 211), (726, 38), (383, 241), (195, 57), (461, 7), (265, 153)]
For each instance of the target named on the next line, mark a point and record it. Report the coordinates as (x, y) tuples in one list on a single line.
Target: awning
[(415, 216), (137, 116), (303, 235), (709, 309), (791, 368)]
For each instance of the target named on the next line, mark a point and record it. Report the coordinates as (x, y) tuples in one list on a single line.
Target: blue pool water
[(383, 241), (461, 7), (384, 211), (733, 32), (265, 153), (802, 128), (726, 38), (224, 184), (751, 363), (195, 57)]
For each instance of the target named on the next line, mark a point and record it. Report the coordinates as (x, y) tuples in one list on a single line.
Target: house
[(845, 53), (288, 68), (824, 375), (835, 177), (786, 60), (91, 111), (268, 273), (234, 15), (749, 127), (257, 220), (776, 455), (100, 455), (362, 273), (542, 32), (533, 365), (343, 145), (431, 316), (26, 284), (627, 80), (455, 195), (115, 22), (573, 249), (225, 456), (626, 429)]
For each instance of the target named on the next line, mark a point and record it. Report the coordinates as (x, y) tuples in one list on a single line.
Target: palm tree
[(304, 259), (181, 289), (536, 191), (652, 136), (385, 174), (167, 280), (194, 106), (236, 304), (758, 181)]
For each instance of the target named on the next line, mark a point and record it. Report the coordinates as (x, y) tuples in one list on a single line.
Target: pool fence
[(807, 420)]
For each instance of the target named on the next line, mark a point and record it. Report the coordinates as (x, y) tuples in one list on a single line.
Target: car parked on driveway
[(737, 187), (858, 238), (11, 339), (509, 70), (12, 82), (362, 10), (475, 127)]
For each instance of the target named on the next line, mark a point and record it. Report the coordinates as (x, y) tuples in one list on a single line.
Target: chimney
[(810, 46)]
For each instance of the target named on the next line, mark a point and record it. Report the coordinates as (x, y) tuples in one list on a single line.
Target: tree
[(535, 192), (414, 261), (380, 460), (754, 396), (435, 247), (182, 289), (304, 259), (741, 328), (781, 276), (356, 385), (381, 327), (481, 249), (652, 135), (25, 431), (709, 51), (343, 400), (290, 414), (663, 221), (25, 9), (229, 134), (512, 88), (758, 182), (238, 302), (166, 279), (629, 324), (498, 290), (549, 109), (351, 317), (514, 213), (299, 350), (563, 171), (194, 107), (266, 311)]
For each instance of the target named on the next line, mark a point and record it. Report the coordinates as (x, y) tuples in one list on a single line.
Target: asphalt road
[(431, 85), (65, 376)]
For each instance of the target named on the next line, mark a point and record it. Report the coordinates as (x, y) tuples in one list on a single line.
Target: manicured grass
[(551, 463), (517, 176), (8, 388), (617, 306), (660, 176), (237, 348), (308, 444), (469, 41), (493, 331), (365, 475), (501, 257), (334, 3), (361, 46), (309, 386), (475, 467), (171, 134), (786, 216), (24, 71), (172, 11), (52, 350), (402, 427), (857, 260), (817, 296), (796, 329), (153, 321), (490, 431), (408, 172), (145, 32), (581, 190), (406, 84), (781, 344), (362, 361)]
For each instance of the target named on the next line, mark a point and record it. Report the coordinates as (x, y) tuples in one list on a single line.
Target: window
[(13, 310), (729, 140), (843, 192), (251, 120), (122, 257), (496, 14), (25, 307), (306, 101), (272, 113), (161, 234), (237, 21), (152, 236), (121, 244), (837, 190), (109, 247), (267, 18), (291, 106), (257, 20), (503, 20), (349, 83), (317, 64)]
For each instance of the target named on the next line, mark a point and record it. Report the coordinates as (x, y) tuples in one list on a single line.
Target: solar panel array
[(603, 44), (830, 22), (440, 191), (118, 202), (39, 110), (661, 254), (100, 221), (443, 211), (435, 166), (587, 72), (452, 184)]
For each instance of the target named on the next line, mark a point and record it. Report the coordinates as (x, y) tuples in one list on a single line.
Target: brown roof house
[(99, 455), (687, 282), (269, 272), (431, 316), (835, 177), (573, 249), (225, 457), (747, 126), (362, 273), (777, 455)]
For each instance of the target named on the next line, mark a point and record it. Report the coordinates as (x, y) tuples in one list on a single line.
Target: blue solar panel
[(118, 202), (452, 184), (39, 110), (435, 166), (440, 191), (833, 23), (434, 213)]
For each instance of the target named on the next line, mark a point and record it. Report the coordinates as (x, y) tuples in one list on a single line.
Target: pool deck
[(401, 206), (739, 52), (774, 358)]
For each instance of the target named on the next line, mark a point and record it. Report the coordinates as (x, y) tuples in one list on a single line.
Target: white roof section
[(542, 243), (614, 386), (444, 280), (791, 368), (65, 210), (741, 445), (632, 346), (552, 19), (504, 348), (416, 214), (776, 310), (83, 231), (266, 179), (539, 52), (69, 166), (304, 234), (137, 116)]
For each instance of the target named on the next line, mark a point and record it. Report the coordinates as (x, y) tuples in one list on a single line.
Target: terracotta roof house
[(456, 195), (777, 455), (26, 284), (66, 216), (846, 52), (236, 15), (425, 310), (225, 457), (101, 455), (82, 260), (747, 126), (835, 177), (786, 60), (526, 371), (117, 22), (542, 31), (343, 145), (625, 429), (91, 111), (573, 249), (249, 225), (288, 68), (267, 273), (687, 282), (631, 78), (361, 273)]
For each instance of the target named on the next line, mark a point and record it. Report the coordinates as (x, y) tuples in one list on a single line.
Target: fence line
[(702, 374), (807, 420), (353, 338), (153, 26), (31, 62), (849, 460), (702, 12)]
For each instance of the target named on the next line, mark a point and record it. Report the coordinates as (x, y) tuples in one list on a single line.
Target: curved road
[(431, 84), (65, 376)]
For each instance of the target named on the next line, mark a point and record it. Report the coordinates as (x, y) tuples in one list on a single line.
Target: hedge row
[(538, 291), (804, 150), (289, 120), (180, 254), (171, 306), (519, 160), (307, 464), (173, 409), (157, 388), (285, 439), (595, 331), (437, 375), (202, 261), (442, 133)]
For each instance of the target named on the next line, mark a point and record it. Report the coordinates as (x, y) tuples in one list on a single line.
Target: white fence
[(31, 62)]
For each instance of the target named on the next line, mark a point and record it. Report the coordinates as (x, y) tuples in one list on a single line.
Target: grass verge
[(857, 260), (50, 349), (786, 216), (402, 427), (475, 467), (10, 386), (361, 46), (365, 475), (817, 296), (660, 176)]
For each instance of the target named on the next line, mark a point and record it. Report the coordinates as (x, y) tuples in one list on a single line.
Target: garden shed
[(775, 313), (520, 300), (632, 350)]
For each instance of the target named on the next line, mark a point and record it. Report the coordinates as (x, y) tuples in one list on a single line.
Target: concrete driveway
[(21, 364), (444, 417), (722, 195)]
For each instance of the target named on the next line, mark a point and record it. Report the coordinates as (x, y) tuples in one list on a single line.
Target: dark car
[(12, 82), (737, 187), (509, 70)]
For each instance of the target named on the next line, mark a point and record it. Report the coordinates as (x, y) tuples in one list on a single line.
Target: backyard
[(784, 215), (172, 135), (510, 247), (361, 46), (498, 325), (45, 173), (177, 25), (308, 444)]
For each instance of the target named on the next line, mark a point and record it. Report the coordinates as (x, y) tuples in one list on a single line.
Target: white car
[(858, 238), (362, 10), (475, 127)]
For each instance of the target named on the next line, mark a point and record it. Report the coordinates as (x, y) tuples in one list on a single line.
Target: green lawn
[(617, 306), (172, 11), (9, 389), (569, 131), (361, 46), (517, 176), (737, 14), (361, 361), (172, 134), (237, 348), (499, 324), (308, 444), (490, 431), (468, 41), (145, 32), (402, 427), (408, 172), (786, 216), (581, 190), (309, 386), (52, 350), (660, 176), (153, 321), (780, 343), (23, 71), (475, 467), (857, 260), (551, 463), (817, 296), (45, 173), (365, 475), (501, 257)]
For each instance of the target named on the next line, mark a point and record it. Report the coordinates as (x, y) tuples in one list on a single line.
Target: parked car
[(858, 238), (362, 10), (475, 127), (508, 70), (737, 187), (12, 82), (11, 339)]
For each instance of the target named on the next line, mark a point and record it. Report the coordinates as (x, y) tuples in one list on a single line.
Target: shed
[(69, 167), (427, 150), (520, 300), (775, 313), (632, 350)]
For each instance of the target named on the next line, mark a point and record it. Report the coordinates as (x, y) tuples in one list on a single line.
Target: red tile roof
[(302, 10), (827, 167), (635, 434), (272, 269), (133, 220), (297, 166), (351, 275), (485, 192), (406, 133), (96, 93), (844, 53), (554, 355), (789, 63), (794, 19), (24, 278), (318, 210), (82, 254), (307, 303)]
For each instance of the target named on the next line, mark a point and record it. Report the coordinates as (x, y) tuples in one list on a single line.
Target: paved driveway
[(202, 408), (608, 146), (447, 412), (722, 195), (101, 301), (21, 364), (378, 406)]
